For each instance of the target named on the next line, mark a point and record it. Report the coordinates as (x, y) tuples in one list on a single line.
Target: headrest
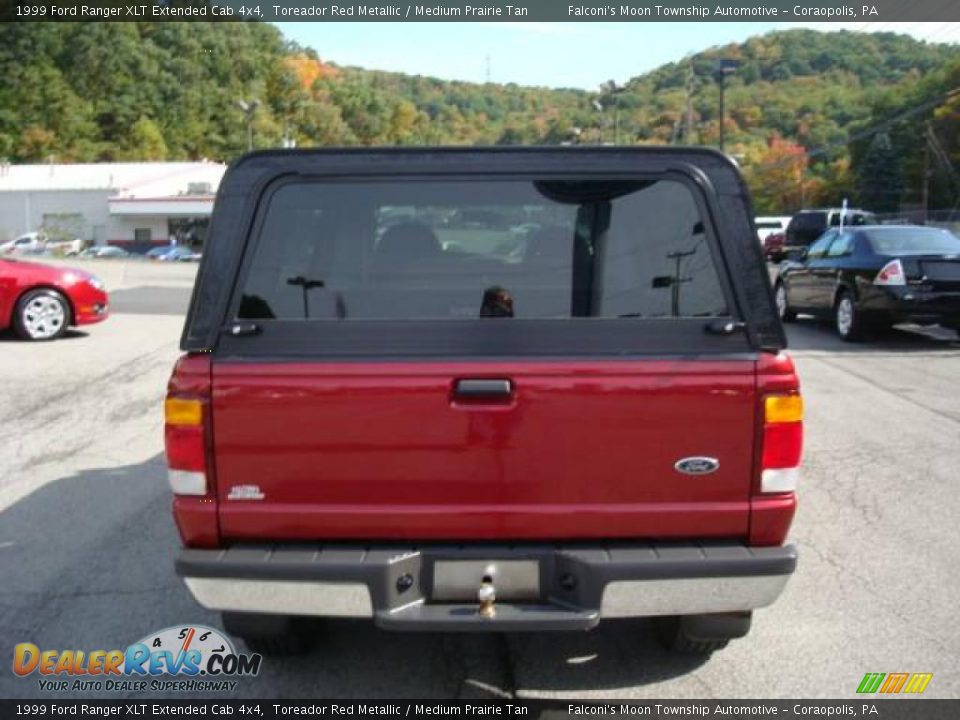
[(408, 241)]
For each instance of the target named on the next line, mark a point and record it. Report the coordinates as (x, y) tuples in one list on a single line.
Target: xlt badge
[(245, 492)]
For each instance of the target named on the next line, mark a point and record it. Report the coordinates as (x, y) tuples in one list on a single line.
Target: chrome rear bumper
[(574, 588)]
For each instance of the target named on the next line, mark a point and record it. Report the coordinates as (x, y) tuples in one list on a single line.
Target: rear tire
[(848, 321), (783, 303), (700, 634), (41, 315), (274, 635)]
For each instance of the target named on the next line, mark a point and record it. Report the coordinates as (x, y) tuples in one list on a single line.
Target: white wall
[(22, 211), (122, 228)]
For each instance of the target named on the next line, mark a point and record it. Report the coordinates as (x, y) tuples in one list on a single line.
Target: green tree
[(403, 123), (37, 144), (879, 177), (145, 141)]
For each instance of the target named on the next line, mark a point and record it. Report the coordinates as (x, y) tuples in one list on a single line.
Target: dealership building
[(134, 205)]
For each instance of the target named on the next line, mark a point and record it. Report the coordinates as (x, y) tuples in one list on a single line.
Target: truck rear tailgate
[(577, 449)]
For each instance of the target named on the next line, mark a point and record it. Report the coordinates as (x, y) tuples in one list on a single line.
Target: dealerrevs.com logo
[(200, 658)]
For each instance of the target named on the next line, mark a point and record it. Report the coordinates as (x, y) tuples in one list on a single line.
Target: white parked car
[(29, 243), (104, 251), (770, 224), (177, 254)]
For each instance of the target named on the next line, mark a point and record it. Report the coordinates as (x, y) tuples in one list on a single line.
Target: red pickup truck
[(484, 390)]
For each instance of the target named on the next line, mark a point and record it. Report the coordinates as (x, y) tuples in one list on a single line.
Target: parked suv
[(388, 409), (808, 225)]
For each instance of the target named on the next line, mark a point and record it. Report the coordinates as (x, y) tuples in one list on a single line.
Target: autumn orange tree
[(777, 176)]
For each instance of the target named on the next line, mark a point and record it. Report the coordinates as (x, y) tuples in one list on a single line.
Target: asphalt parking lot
[(87, 541)]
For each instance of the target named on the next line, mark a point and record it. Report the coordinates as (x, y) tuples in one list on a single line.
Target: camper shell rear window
[(480, 249)]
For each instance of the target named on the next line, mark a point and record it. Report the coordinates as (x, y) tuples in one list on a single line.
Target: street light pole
[(610, 95), (598, 106), (722, 68), (616, 91), (249, 108)]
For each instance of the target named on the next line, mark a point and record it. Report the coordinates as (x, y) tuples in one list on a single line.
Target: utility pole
[(675, 135), (306, 286), (677, 257), (926, 176), (722, 111), (688, 126), (940, 155)]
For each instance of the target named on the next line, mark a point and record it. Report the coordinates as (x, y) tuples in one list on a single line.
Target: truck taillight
[(184, 437), (782, 442)]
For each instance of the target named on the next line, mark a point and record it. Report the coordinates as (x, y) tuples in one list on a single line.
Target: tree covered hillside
[(155, 91)]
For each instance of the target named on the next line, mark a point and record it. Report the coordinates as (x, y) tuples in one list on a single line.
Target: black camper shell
[(714, 179)]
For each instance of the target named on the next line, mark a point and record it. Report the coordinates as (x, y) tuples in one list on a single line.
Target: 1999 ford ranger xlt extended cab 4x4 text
[(484, 390)]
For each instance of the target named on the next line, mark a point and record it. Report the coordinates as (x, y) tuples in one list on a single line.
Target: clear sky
[(553, 54)]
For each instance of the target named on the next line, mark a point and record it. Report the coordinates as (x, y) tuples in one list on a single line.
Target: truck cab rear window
[(434, 250)]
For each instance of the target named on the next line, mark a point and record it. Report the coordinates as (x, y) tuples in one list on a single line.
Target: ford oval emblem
[(697, 465)]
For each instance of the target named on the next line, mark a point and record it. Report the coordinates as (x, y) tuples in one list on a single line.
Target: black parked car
[(808, 225), (874, 276)]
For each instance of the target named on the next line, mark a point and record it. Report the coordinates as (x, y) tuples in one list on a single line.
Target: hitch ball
[(487, 596)]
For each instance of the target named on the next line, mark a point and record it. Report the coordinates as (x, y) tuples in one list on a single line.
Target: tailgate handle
[(725, 327), (482, 388), (241, 329)]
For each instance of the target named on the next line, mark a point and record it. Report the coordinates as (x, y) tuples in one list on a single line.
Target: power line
[(915, 110), (867, 132), (910, 112)]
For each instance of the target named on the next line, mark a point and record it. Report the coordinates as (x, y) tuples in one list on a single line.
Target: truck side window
[(428, 250)]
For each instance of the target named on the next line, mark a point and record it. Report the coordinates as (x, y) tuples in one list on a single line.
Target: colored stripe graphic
[(870, 683), (894, 682), (918, 682)]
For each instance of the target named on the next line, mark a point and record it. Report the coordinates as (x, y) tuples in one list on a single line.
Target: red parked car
[(40, 301), (773, 245), (574, 410)]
